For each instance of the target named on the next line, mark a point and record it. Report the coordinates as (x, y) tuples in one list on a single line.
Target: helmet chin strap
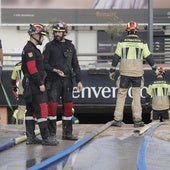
[(38, 41)]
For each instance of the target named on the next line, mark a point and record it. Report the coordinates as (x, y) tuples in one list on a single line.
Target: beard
[(58, 38)]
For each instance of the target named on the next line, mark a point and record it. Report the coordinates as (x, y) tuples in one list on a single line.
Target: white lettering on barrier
[(104, 92), (130, 92)]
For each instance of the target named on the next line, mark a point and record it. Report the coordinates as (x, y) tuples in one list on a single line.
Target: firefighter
[(158, 93), (62, 66), (130, 52), (34, 88), (1, 61), (17, 88)]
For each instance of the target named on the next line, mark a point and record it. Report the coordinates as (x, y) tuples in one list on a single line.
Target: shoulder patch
[(30, 54)]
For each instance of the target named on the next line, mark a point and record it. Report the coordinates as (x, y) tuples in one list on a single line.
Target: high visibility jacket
[(159, 90), (130, 52), (17, 77)]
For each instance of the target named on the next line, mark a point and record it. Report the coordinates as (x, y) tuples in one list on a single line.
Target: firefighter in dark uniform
[(130, 52), (158, 93), (34, 88), (61, 64), (1, 60)]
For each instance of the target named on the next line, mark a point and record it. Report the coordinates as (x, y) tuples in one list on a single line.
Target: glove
[(155, 69), (14, 90), (0, 73), (112, 74)]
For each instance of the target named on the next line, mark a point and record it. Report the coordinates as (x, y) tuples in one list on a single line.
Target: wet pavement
[(113, 149), (107, 153)]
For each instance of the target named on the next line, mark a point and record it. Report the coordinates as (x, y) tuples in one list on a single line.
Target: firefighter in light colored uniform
[(158, 93), (16, 82), (130, 52)]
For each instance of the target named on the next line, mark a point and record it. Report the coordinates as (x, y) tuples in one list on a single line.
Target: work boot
[(46, 138), (54, 138), (52, 127), (69, 137), (50, 142), (30, 133), (35, 140), (67, 130), (117, 123), (20, 121), (138, 124)]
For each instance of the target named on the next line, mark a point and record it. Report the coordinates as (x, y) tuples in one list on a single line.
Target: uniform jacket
[(17, 77), (32, 66), (131, 52), (63, 56), (159, 90)]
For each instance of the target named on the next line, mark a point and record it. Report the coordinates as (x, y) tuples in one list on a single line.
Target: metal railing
[(86, 60)]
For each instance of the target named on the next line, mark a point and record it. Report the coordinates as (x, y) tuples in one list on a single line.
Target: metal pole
[(150, 24)]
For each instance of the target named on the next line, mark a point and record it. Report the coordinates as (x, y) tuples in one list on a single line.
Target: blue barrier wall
[(98, 88)]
